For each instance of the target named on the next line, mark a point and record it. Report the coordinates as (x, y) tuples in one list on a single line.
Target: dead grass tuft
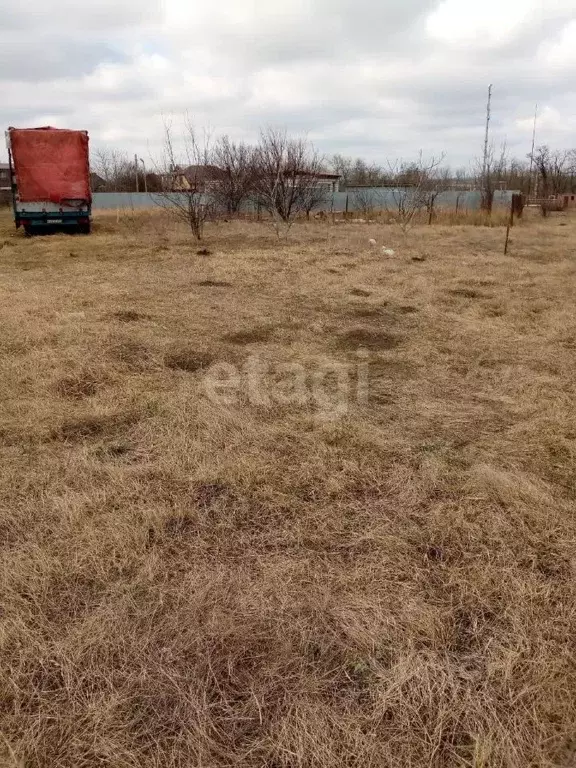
[(184, 358), (360, 292), (132, 353), (205, 494), (370, 338), (129, 316), (468, 293), (215, 283), (80, 385), (93, 425), (258, 334)]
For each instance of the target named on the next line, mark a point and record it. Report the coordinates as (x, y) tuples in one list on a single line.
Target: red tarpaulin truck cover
[(51, 164)]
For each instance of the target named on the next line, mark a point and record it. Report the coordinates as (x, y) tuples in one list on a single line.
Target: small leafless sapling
[(286, 178), (365, 200), (235, 181), (415, 184), (183, 176)]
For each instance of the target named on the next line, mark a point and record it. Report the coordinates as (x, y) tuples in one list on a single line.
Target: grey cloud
[(331, 31), (91, 16), (46, 57)]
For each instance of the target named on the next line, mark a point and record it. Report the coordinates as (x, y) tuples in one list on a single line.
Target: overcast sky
[(375, 78)]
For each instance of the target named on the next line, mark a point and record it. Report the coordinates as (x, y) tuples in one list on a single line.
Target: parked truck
[(50, 176)]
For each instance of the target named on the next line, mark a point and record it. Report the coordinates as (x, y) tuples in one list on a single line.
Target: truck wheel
[(28, 231), (84, 229)]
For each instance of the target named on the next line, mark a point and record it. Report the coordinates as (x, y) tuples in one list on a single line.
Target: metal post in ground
[(510, 224)]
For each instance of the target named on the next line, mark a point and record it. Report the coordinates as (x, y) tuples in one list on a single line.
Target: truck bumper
[(36, 221)]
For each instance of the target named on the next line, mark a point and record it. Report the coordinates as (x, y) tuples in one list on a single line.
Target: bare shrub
[(416, 186), (235, 184), (285, 182), (365, 200), (184, 193)]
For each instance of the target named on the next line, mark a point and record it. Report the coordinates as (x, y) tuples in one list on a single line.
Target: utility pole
[(136, 168), (533, 178), (144, 173), (485, 161)]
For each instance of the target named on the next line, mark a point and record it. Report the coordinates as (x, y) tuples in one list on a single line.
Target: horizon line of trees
[(279, 175), (545, 173)]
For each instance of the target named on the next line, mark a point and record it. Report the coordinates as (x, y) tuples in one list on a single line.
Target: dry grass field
[(370, 566)]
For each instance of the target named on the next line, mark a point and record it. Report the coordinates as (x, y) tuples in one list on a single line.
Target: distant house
[(97, 183), (569, 200), (202, 177), (4, 176), (195, 177), (329, 180)]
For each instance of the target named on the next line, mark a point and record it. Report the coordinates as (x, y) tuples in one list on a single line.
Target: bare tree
[(286, 177), (236, 163), (489, 173), (518, 176), (319, 197), (438, 181), (343, 166), (367, 174), (555, 169), (365, 200), (358, 172), (183, 175), (419, 180), (114, 168)]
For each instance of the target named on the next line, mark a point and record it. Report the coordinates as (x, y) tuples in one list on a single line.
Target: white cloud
[(561, 51), (490, 22)]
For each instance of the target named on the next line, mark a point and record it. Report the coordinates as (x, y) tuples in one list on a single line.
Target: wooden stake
[(510, 224)]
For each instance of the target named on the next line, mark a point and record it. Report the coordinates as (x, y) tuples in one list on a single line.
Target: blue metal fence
[(354, 199)]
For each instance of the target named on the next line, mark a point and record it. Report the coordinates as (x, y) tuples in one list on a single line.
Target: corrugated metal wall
[(379, 198)]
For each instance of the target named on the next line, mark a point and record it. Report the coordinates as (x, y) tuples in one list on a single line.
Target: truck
[(50, 179)]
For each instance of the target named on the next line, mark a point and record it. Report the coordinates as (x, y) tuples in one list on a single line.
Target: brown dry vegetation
[(189, 584)]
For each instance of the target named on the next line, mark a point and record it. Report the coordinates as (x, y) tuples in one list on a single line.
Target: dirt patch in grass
[(130, 316), (190, 359), (93, 425), (215, 283), (360, 292), (256, 335), (467, 293), (133, 353), (367, 312), (120, 450), (206, 494), (370, 338), (180, 525)]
